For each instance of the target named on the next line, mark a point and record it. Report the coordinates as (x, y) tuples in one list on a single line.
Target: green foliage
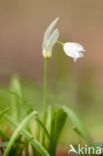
[(35, 144), (57, 124), (3, 112), (22, 137), (77, 125), (16, 101), (17, 131)]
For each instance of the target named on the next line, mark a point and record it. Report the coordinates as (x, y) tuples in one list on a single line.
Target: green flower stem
[(59, 42), (45, 96), (45, 84)]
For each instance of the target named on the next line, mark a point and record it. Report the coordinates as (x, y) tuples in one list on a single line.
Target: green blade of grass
[(17, 131), (58, 121), (3, 112), (16, 102), (31, 139), (77, 125), (48, 123), (14, 94), (43, 127), (36, 144), (20, 98)]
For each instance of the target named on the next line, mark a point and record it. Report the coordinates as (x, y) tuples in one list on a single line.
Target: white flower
[(51, 36), (74, 50)]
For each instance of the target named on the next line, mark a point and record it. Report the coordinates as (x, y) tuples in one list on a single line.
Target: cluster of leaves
[(44, 139)]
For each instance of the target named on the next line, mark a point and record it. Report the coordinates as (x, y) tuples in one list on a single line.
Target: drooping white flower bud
[(51, 36), (74, 50)]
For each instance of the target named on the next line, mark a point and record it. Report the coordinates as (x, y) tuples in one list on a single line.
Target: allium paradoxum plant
[(49, 125), (71, 49), (54, 119)]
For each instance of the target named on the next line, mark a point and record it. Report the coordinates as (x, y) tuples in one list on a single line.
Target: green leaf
[(17, 145), (77, 125), (14, 100), (3, 112), (38, 146), (20, 98), (43, 127), (17, 131), (15, 86), (58, 121)]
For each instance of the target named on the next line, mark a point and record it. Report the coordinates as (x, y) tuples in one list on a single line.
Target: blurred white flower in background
[(74, 50), (51, 36)]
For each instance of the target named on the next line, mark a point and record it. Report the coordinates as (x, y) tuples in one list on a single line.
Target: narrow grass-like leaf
[(43, 127), (13, 93), (17, 145), (14, 100), (16, 103), (48, 123), (3, 112), (78, 125), (58, 121), (17, 131), (15, 86), (28, 107), (36, 145)]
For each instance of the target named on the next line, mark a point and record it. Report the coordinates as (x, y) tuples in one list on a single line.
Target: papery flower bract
[(51, 36), (74, 50)]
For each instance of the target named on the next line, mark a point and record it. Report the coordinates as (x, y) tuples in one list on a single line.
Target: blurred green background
[(78, 85)]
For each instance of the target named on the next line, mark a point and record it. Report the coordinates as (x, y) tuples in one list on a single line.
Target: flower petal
[(53, 38), (74, 50), (47, 52), (48, 31)]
